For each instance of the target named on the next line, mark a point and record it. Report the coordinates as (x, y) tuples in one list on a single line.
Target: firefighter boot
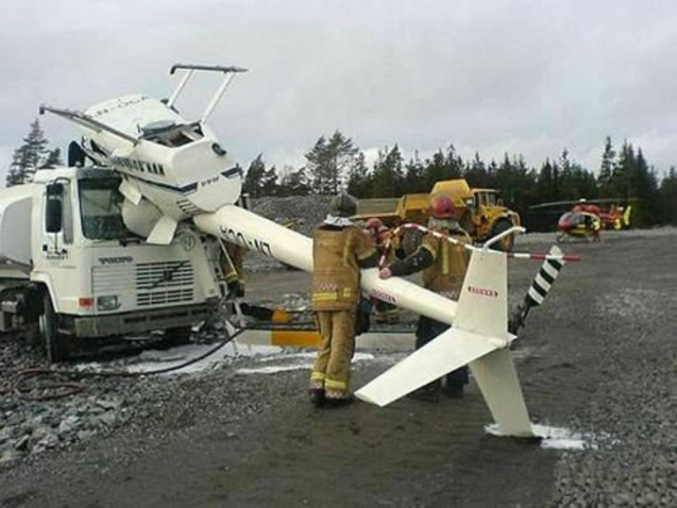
[(317, 397), (428, 393), (332, 402)]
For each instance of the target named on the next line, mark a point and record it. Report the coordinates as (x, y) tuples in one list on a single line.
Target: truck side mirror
[(53, 214)]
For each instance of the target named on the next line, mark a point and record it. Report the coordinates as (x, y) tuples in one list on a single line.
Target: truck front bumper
[(134, 322)]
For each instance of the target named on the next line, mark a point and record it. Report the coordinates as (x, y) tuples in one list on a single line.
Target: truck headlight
[(108, 302)]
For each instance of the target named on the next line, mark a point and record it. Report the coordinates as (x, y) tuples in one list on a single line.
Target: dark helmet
[(442, 207), (343, 205)]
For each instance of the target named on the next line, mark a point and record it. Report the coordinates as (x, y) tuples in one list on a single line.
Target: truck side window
[(67, 214), (59, 213)]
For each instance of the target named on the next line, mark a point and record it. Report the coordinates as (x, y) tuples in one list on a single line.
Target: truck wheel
[(55, 344), (177, 336), (506, 243)]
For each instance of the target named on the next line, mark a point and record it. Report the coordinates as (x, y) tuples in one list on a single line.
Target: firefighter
[(383, 312), (340, 250), (232, 266), (444, 266)]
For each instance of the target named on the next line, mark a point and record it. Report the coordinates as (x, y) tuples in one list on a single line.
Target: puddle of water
[(557, 438)]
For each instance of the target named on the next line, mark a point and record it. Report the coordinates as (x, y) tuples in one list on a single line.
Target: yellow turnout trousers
[(335, 353)]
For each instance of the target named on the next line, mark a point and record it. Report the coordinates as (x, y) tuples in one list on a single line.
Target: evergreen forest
[(335, 163)]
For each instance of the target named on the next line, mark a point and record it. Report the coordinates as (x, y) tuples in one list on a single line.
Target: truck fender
[(44, 281)]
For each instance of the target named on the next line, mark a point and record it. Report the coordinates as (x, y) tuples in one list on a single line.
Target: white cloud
[(523, 76)]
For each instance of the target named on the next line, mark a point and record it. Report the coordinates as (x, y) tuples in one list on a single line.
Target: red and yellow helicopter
[(586, 219)]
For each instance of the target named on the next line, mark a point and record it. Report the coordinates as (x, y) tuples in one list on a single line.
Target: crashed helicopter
[(175, 174)]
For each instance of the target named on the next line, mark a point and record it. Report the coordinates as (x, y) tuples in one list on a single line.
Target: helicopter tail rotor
[(539, 289)]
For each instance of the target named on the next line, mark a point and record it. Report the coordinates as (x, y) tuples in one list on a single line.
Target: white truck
[(70, 269)]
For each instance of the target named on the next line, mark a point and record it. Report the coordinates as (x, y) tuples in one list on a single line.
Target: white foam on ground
[(154, 359), (359, 357), (273, 369), (558, 438)]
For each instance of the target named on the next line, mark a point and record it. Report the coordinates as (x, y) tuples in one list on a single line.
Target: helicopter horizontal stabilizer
[(479, 337), (449, 351), (163, 232)]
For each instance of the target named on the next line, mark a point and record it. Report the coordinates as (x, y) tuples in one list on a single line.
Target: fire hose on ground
[(68, 388)]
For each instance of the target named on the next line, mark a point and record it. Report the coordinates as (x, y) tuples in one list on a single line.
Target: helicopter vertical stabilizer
[(626, 216)]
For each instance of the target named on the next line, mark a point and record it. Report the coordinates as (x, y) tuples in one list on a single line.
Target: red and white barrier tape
[(513, 255)]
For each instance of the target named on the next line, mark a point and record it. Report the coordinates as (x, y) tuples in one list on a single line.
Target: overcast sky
[(529, 77)]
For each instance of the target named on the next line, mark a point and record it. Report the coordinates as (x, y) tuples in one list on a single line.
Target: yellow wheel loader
[(480, 211)]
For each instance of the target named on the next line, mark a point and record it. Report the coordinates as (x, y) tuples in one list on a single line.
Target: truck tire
[(55, 344), (178, 336), (507, 243)]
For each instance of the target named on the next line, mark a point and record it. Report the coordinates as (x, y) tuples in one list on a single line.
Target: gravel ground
[(598, 358)]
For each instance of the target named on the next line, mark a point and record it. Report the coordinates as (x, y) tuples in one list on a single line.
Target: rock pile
[(33, 427), (305, 211), (300, 213)]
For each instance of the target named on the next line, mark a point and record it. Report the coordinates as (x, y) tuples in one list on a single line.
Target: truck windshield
[(101, 209)]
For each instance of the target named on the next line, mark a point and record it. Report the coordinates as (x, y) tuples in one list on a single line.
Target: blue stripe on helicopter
[(230, 173), (191, 187)]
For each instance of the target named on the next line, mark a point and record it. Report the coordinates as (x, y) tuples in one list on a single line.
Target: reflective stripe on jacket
[(450, 263), (336, 273)]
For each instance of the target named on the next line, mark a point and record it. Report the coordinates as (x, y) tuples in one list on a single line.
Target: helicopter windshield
[(170, 134), (101, 209)]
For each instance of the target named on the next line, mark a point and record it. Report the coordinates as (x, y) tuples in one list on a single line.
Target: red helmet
[(374, 224), (442, 207)]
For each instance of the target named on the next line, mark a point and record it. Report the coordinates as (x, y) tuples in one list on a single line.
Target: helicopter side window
[(577, 219)]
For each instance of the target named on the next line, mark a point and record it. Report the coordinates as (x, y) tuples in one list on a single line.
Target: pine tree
[(414, 180), (17, 168), (31, 156), (453, 164), (329, 161), (644, 187), (564, 165), (52, 160), (434, 170), (545, 187), (293, 183), (253, 180), (668, 196), (476, 173), (606, 169), (622, 176), (388, 176), (359, 181), (269, 185)]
